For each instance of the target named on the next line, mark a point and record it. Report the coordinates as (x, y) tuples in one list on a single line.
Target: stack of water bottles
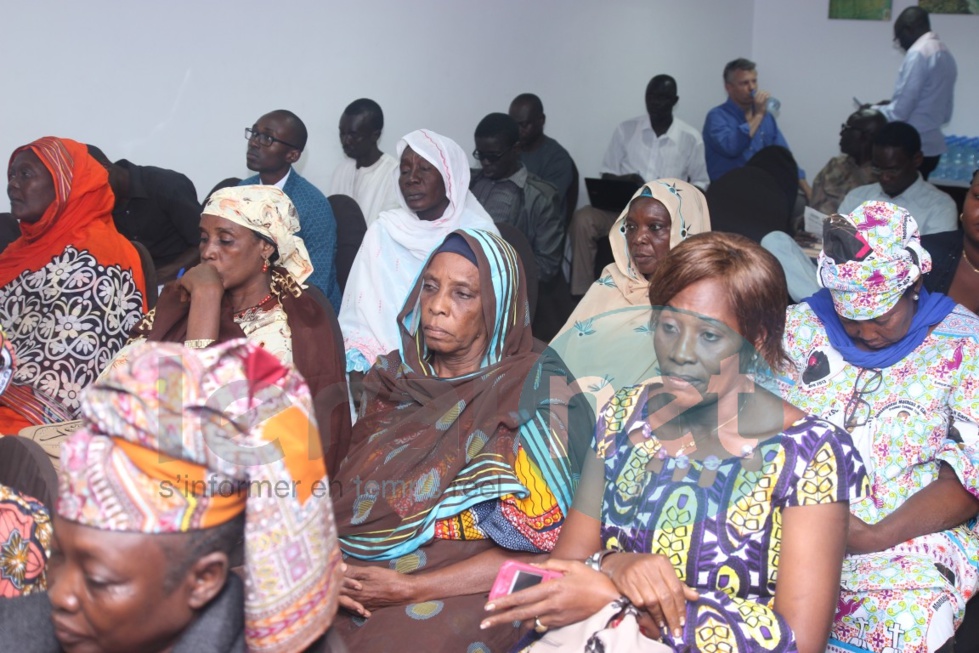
[(959, 161)]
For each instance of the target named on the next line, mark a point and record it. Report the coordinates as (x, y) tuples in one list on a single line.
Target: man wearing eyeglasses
[(510, 194), (275, 143), (852, 168)]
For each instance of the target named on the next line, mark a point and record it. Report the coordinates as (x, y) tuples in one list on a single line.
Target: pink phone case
[(509, 571)]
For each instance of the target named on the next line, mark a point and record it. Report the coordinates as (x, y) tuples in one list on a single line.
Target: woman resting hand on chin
[(715, 508)]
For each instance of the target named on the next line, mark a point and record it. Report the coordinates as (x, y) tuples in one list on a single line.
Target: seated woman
[(460, 458), (717, 510), (897, 366), (616, 307), (159, 487), (250, 284), (71, 287), (955, 255), (433, 190)]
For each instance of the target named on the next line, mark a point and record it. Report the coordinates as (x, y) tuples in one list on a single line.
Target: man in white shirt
[(647, 147), (925, 84), (895, 157), (367, 175)]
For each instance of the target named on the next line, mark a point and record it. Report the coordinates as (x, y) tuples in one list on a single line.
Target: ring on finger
[(538, 626)]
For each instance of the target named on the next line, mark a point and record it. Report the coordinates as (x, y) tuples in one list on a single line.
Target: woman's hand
[(577, 595), (203, 278), (347, 588), (371, 588), (651, 583)]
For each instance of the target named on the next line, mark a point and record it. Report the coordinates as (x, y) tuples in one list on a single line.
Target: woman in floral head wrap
[(183, 452), (898, 367), (250, 284)]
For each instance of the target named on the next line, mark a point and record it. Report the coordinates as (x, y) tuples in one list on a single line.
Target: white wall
[(174, 83), (815, 66)]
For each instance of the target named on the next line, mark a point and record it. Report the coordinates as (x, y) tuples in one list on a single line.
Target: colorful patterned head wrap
[(179, 439), (870, 258), (267, 211)]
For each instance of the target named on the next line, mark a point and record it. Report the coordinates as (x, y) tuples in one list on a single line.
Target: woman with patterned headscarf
[(606, 342), (250, 283), (71, 287), (182, 455), (898, 367), (460, 458)]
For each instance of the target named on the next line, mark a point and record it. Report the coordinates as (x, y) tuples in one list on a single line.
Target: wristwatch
[(595, 560)]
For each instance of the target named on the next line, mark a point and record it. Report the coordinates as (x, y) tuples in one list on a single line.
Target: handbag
[(613, 628)]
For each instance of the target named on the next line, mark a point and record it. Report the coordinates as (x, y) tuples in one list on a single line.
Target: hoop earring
[(265, 265)]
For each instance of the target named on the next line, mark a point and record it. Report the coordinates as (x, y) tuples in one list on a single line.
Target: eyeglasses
[(265, 140), (490, 157), (857, 411)]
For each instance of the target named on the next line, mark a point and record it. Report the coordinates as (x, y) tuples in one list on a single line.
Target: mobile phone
[(515, 576)]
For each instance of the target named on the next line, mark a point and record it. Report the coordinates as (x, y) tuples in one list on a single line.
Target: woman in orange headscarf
[(71, 287)]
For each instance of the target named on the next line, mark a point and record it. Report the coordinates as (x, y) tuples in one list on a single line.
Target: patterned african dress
[(25, 543), (721, 530), (912, 596)]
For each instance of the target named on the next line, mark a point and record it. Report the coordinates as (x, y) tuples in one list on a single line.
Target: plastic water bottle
[(773, 106)]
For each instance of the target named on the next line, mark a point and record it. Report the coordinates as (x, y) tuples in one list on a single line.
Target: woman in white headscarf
[(433, 190)]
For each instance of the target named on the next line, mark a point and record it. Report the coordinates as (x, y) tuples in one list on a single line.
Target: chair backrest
[(149, 273), (351, 228), (27, 468), (571, 197), (9, 230), (519, 242)]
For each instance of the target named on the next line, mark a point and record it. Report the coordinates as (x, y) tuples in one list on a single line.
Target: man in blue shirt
[(925, 84), (737, 129), (275, 142)]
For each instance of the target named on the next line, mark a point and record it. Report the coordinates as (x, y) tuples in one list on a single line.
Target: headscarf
[(80, 215), (179, 439), (453, 444), (613, 316), (267, 211), (396, 246), (869, 259)]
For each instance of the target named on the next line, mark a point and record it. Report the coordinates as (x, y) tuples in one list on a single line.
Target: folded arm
[(939, 506)]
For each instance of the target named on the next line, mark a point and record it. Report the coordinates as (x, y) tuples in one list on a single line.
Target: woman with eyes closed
[(897, 366), (250, 284), (459, 460), (433, 190), (606, 342), (712, 514)]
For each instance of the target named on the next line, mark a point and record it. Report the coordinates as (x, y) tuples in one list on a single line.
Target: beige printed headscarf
[(267, 211)]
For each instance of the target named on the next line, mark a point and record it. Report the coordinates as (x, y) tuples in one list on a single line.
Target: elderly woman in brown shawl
[(460, 460)]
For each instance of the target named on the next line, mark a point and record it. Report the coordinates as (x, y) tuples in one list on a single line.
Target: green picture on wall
[(860, 9), (950, 6)]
